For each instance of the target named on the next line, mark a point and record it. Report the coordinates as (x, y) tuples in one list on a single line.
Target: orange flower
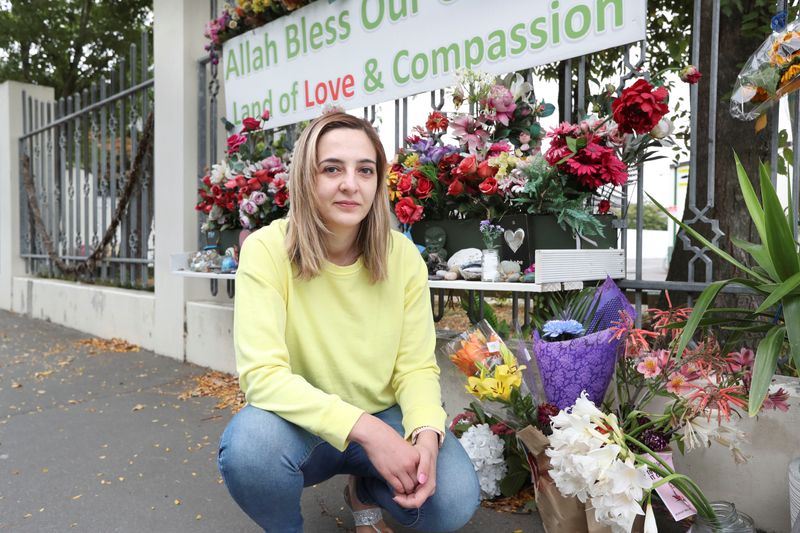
[(473, 350), (785, 48), (790, 74)]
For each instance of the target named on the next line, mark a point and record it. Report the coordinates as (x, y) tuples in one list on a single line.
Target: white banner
[(355, 53)]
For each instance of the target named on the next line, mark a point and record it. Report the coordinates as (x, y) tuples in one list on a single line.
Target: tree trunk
[(731, 135)]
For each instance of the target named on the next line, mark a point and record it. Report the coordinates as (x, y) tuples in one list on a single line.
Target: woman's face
[(346, 178)]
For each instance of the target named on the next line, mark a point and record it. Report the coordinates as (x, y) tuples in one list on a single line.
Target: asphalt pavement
[(95, 440)]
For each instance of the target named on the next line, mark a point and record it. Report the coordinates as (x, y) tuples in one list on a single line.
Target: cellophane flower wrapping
[(569, 367), (770, 73)]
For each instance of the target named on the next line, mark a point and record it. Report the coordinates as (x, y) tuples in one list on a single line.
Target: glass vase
[(729, 520), (490, 264)]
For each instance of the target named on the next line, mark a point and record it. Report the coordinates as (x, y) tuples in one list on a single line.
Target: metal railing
[(81, 151)]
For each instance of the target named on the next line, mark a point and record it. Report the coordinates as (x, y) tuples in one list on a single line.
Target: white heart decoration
[(514, 238)]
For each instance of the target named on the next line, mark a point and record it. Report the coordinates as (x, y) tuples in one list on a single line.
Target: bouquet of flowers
[(579, 351), (475, 176), (770, 73), (247, 189), (496, 167), (703, 390), (242, 16)]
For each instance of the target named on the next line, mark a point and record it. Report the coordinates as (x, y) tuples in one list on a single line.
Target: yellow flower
[(411, 161), (790, 74), (497, 388), (785, 48)]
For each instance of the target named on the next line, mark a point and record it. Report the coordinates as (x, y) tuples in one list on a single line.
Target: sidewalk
[(100, 442)]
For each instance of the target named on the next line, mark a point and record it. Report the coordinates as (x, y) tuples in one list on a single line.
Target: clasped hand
[(409, 470)]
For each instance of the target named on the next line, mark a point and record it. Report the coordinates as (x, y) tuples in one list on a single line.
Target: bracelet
[(420, 429)]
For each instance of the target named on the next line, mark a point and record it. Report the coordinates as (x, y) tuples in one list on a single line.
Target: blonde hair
[(305, 236)]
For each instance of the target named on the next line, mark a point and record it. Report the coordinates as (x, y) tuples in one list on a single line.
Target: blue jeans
[(266, 461)]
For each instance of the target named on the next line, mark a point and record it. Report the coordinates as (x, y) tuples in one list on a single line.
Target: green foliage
[(652, 217), (68, 44), (776, 278)]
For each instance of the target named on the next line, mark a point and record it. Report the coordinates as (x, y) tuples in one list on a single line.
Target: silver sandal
[(367, 517)]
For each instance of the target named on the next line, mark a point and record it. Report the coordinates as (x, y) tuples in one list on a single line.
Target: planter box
[(541, 232)]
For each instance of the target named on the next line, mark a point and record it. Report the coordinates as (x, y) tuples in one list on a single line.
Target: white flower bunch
[(590, 464), (220, 173), (485, 450)]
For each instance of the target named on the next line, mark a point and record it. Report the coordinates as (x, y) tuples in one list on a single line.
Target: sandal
[(366, 517)]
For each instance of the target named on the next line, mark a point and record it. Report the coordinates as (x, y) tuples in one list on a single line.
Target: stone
[(528, 278), (435, 277), (507, 270), (513, 278), (451, 276), (442, 273), (472, 273), (464, 257)]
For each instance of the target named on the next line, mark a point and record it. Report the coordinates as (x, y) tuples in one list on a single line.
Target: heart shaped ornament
[(514, 238)]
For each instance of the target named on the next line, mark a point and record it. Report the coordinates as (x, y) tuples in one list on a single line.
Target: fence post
[(178, 42), (11, 127)]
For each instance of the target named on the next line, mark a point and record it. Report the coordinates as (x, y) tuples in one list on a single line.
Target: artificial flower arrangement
[(771, 72), (247, 189), (243, 16), (496, 167)]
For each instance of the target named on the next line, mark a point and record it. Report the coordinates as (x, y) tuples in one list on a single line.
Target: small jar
[(729, 520), (490, 265)]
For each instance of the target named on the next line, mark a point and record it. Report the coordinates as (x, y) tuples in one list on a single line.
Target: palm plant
[(775, 276)]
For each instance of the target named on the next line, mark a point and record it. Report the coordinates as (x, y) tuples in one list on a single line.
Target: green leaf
[(703, 302), (779, 241), (764, 368), (548, 110), (758, 252), (726, 256), (535, 130), (572, 144), (779, 292), (513, 482), (791, 319), (750, 198)]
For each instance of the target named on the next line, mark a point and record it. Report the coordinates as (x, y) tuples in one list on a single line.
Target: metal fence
[(574, 104), (78, 154)]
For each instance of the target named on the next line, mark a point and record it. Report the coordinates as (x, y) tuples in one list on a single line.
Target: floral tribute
[(244, 15), (249, 188), (495, 166), (771, 72)]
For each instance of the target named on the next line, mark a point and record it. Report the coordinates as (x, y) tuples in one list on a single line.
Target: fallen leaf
[(137, 407), (198, 517), (177, 501), (43, 374), (16, 384), (77, 497)]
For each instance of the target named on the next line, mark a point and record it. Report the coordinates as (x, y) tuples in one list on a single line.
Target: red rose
[(235, 141), (690, 74), (603, 206), (407, 211), (485, 170), (455, 188), (207, 209), (404, 184), (640, 107), (250, 123), (254, 184), (488, 186), (215, 190), (207, 181), (262, 175), (469, 165), (279, 184), (230, 206), (280, 197), (424, 188), (265, 115)]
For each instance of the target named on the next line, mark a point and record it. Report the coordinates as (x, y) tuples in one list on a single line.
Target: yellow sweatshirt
[(319, 353)]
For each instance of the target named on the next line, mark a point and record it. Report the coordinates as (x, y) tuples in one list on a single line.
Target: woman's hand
[(393, 457), (428, 447)]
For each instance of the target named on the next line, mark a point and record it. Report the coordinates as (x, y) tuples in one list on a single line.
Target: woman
[(335, 352)]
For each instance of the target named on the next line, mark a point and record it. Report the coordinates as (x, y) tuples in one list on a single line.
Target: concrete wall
[(102, 311)]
